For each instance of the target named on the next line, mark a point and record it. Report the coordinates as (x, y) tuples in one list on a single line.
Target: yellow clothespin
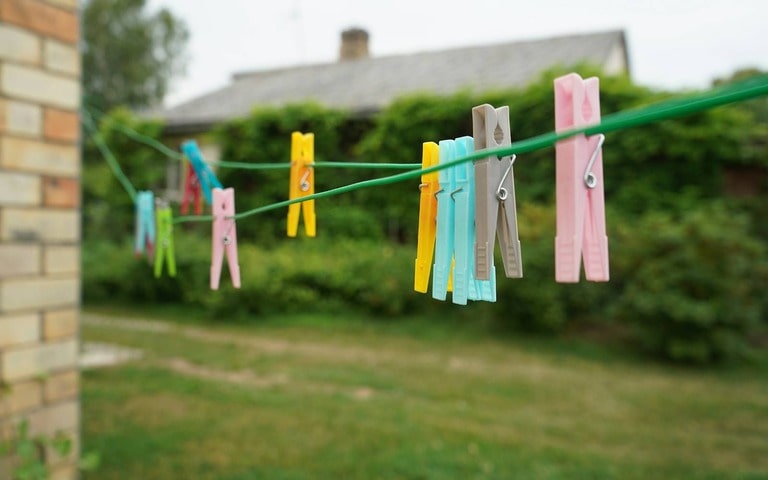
[(302, 182), (427, 218)]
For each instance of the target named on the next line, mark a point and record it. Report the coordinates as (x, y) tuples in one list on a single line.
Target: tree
[(129, 55)]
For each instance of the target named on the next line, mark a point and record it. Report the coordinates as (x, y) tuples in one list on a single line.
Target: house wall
[(40, 225)]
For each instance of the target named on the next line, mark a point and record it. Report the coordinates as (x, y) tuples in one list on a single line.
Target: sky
[(673, 44)]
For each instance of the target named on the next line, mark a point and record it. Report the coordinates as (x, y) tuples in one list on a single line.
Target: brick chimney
[(354, 44)]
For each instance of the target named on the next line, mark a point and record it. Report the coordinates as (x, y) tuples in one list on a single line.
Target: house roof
[(368, 84)]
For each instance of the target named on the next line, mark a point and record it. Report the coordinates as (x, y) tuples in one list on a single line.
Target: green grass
[(310, 397)]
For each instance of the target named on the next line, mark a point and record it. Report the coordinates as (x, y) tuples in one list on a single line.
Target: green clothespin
[(164, 240)]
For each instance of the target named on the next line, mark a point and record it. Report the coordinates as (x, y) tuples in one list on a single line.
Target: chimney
[(354, 44)]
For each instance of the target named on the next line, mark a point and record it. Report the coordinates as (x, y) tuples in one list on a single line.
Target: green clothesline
[(108, 156), (678, 107), (174, 155)]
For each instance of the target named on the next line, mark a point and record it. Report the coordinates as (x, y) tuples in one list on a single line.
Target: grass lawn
[(331, 398)]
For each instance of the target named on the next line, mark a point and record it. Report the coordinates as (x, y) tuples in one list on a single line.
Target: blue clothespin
[(455, 239), (441, 272), (145, 223), (205, 175), (465, 285)]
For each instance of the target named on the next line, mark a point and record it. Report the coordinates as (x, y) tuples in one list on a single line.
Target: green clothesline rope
[(687, 105), (735, 92), (108, 156), (287, 165), (174, 155)]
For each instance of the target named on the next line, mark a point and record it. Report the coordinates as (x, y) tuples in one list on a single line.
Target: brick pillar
[(40, 223)]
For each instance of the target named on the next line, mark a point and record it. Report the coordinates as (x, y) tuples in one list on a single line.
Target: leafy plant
[(692, 284), (28, 453)]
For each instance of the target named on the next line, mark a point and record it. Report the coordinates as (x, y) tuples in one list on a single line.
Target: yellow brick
[(60, 323), (64, 472), (20, 397), (18, 45), (61, 386), (19, 329), (35, 156), (61, 417), (7, 464), (21, 118), (34, 84), (62, 259), (61, 57), (38, 360), (38, 293), (19, 259), (39, 225), (19, 189)]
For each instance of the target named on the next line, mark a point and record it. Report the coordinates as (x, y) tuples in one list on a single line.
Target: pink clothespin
[(580, 200), (224, 237)]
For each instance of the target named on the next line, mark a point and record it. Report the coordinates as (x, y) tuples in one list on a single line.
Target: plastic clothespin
[(165, 249), (465, 285), (580, 198), (496, 211), (302, 183), (427, 218), (205, 176), (442, 270), (191, 192), (145, 223), (224, 237)]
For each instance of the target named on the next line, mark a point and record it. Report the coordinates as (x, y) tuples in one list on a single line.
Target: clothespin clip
[(164, 239), (205, 176), (442, 270), (579, 193), (496, 211), (302, 183), (427, 218), (145, 223), (191, 192), (224, 237), (465, 285)]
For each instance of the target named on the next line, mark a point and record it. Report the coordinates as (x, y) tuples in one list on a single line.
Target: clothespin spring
[(227, 240), (501, 192), (589, 178), (304, 183)]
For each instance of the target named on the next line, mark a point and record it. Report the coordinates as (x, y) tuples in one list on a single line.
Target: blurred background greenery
[(688, 249)]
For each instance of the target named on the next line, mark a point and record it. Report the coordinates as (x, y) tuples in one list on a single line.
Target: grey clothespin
[(496, 211)]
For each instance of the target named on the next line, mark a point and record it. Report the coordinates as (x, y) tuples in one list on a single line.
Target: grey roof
[(369, 84)]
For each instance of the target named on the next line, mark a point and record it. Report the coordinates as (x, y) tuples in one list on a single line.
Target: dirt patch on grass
[(238, 377)]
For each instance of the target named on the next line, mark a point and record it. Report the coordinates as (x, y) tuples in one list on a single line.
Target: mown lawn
[(330, 398)]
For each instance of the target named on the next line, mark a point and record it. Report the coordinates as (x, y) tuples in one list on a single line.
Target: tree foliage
[(130, 55)]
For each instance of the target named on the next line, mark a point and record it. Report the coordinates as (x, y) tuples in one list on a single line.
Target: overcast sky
[(672, 43)]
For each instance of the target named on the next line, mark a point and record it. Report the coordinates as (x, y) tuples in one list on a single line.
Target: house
[(363, 84)]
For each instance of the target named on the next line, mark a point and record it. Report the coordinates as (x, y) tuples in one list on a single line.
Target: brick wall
[(40, 223)]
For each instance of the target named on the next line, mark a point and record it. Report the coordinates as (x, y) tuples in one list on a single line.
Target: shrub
[(692, 284)]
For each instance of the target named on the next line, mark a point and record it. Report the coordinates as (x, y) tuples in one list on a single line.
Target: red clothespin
[(224, 237), (580, 197), (193, 191)]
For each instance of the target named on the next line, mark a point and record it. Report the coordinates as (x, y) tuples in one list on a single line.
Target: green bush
[(298, 275), (693, 284)]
